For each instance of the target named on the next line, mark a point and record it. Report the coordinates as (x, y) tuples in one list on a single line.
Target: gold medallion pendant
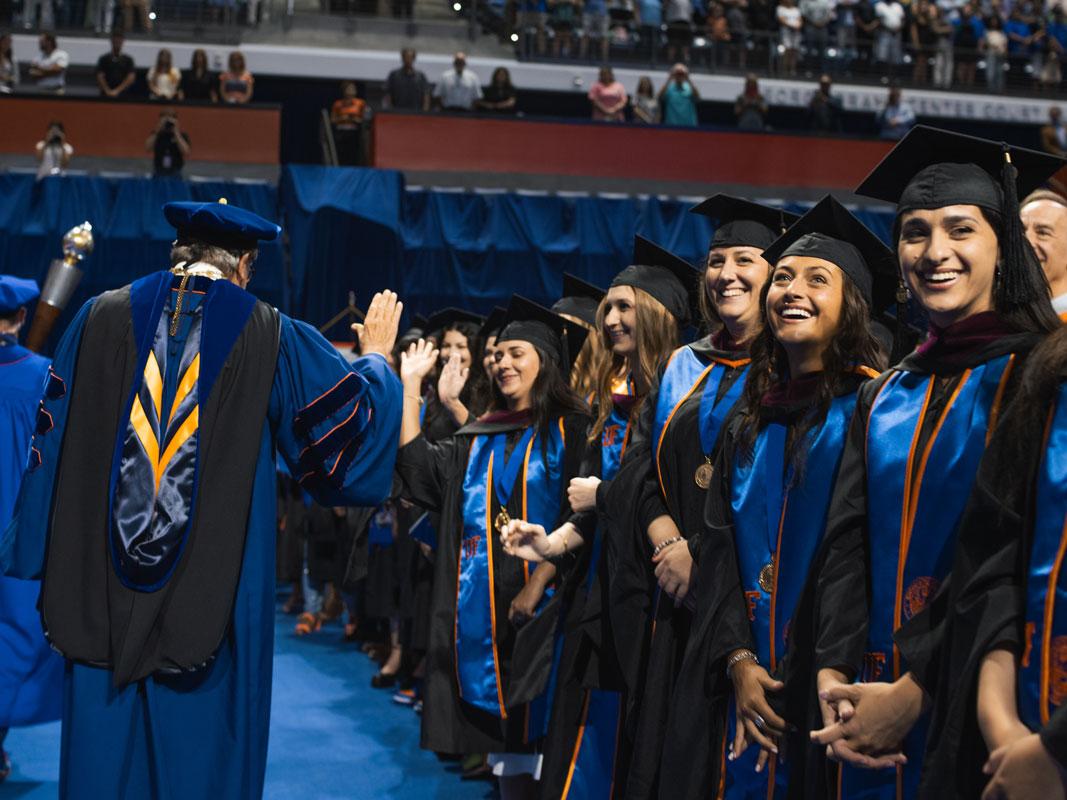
[(703, 475), (766, 577), (502, 520)]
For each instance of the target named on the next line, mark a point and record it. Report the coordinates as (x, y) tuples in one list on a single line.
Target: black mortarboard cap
[(580, 299), (530, 322), (742, 223), (829, 231), (671, 280), (220, 224), (933, 168), (440, 320), (493, 323)]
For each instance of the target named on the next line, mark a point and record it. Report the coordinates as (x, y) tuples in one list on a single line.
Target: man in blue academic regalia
[(149, 510), (31, 675)]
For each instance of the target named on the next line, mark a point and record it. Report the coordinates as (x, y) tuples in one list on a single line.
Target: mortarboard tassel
[(1022, 283)]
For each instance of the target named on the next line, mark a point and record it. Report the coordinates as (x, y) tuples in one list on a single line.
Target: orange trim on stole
[(525, 469), (774, 586), (459, 564), (577, 747), (994, 413), (492, 586), (667, 424)]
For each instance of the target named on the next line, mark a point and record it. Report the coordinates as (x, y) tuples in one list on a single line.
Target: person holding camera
[(169, 146), (53, 151)]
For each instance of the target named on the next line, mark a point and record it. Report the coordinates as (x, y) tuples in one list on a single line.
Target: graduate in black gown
[(916, 440), (657, 499), (766, 508), (488, 665), (639, 322), (579, 304)]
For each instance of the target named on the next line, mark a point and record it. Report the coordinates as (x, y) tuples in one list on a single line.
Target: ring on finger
[(759, 722)]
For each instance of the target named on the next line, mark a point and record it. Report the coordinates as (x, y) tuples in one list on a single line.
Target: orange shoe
[(308, 623)]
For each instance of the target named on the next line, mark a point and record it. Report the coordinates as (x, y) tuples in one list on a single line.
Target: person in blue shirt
[(679, 98), (149, 506), (31, 674)]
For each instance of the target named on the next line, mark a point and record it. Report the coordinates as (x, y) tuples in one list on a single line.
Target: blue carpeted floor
[(331, 735)]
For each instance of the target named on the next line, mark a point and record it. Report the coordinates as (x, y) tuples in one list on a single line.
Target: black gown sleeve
[(423, 469), (1054, 735)]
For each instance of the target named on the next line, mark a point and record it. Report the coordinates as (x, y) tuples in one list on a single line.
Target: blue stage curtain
[(356, 230)]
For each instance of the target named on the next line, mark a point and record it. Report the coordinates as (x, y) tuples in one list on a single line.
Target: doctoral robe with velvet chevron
[(168, 624)]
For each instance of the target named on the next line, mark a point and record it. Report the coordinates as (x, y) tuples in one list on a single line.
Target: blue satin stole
[(156, 460), (1043, 678), (540, 482), (914, 502), (683, 373), (780, 523)]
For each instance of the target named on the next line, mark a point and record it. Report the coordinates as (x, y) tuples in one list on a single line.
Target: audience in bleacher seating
[(563, 16), (970, 41), (791, 23), (37, 14), (678, 14), (608, 97), (888, 41), (816, 15), (531, 15), (346, 117), (144, 14), (458, 87), (235, 84), (114, 69), (896, 118), (996, 54), (164, 79), (679, 97), (198, 83), (1054, 134), (53, 151), (595, 23), (718, 35), (644, 103), (9, 68), (48, 72), (407, 88), (750, 107), (648, 15), (499, 95), (168, 144), (824, 110)]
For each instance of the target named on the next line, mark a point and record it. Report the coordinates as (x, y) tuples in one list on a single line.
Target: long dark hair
[(551, 396), (1032, 316), (854, 345), (475, 394)]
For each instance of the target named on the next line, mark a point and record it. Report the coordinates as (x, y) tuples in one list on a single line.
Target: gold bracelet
[(416, 398)]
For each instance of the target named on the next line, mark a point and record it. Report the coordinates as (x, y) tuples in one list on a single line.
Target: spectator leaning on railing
[(406, 87), (9, 68), (459, 87), (198, 83), (114, 69), (164, 79), (608, 97), (48, 72), (235, 85)]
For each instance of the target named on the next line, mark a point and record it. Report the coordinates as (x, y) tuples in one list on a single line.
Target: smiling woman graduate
[(920, 430), (636, 323), (485, 689), (766, 508), (654, 506)]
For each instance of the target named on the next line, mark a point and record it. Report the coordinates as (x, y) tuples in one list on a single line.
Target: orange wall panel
[(248, 135), (477, 144)]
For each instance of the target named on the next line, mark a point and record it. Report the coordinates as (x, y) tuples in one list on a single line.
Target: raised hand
[(416, 364), (525, 540), (453, 379), (377, 332)]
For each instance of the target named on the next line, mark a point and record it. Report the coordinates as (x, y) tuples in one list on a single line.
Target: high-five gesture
[(377, 332), (417, 363), (453, 379)]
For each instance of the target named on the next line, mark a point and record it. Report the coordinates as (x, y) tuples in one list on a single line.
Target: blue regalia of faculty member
[(154, 495)]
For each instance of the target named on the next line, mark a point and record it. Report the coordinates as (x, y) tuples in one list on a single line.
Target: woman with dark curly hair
[(767, 504)]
